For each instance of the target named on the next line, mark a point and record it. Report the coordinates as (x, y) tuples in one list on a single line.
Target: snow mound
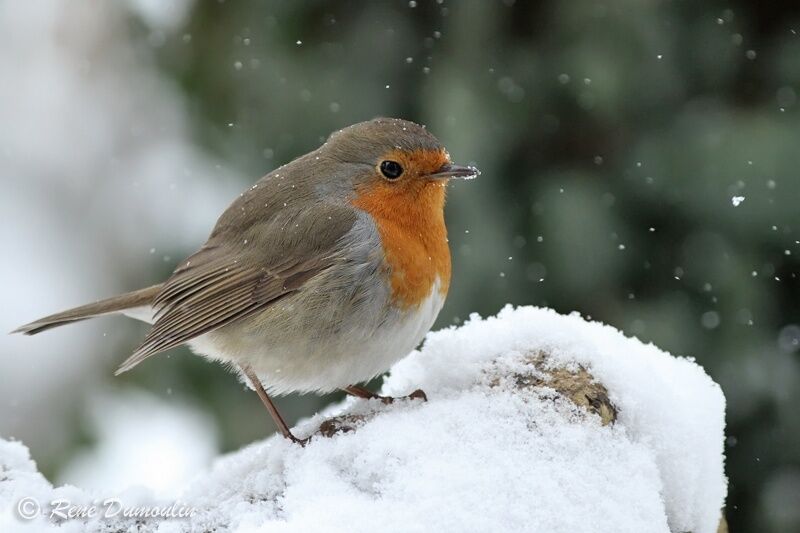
[(535, 421)]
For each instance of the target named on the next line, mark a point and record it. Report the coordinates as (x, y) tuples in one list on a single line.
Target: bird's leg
[(361, 392), (267, 401)]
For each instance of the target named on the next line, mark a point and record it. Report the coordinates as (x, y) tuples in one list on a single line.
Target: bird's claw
[(418, 394)]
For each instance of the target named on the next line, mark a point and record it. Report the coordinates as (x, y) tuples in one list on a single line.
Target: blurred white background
[(99, 177)]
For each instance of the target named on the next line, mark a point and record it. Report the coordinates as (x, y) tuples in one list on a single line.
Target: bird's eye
[(391, 169)]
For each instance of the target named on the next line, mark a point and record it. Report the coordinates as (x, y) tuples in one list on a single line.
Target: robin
[(320, 276)]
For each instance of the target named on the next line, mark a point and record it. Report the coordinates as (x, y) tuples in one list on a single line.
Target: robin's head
[(396, 172), (395, 156)]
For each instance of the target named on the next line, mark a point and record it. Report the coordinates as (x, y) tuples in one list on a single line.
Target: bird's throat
[(410, 222)]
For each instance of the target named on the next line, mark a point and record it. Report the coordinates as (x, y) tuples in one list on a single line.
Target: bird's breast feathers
[(413, 240)]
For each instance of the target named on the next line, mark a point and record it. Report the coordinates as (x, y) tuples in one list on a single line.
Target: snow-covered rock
[(535, 421)]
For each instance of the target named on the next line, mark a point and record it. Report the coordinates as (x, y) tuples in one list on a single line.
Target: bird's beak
[(458, 172)]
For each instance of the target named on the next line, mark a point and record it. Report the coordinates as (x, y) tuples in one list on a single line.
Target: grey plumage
[(116, 304), (277, 243)]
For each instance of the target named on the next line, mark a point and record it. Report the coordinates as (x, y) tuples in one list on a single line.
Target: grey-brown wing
[(226, 282)]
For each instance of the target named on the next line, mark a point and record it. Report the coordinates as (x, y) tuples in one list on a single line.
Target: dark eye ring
[(391, 169)]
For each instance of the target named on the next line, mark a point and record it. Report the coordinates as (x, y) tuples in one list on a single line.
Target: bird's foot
[(418, 394), (283, 427), (301, 442), (361, 392)]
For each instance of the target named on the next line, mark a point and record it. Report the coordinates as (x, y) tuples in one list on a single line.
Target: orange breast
[(410, 221)]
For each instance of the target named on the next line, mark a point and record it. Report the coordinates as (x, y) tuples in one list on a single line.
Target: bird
[(318, 277)]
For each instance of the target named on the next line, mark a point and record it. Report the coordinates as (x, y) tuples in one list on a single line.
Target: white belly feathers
[(295, 360)]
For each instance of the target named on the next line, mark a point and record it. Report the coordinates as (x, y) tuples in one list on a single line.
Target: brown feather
[(239, 293), (116, 304), (222, 283)]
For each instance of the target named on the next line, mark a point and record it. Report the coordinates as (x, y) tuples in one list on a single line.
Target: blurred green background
[(640, 165)]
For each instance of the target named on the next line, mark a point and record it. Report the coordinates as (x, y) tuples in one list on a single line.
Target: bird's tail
[(125, 303)]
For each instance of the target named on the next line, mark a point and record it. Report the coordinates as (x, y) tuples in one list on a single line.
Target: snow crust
[(482, 454)]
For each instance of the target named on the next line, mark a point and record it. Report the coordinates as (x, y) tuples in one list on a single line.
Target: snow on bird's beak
[(459, 172)]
